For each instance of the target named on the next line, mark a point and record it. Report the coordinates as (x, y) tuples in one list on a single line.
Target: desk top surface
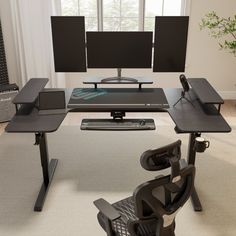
[(33, 122), (195, 117), (118, 99), (188, 118)]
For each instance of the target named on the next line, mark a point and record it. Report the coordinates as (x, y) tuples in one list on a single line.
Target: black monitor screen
[(170, 43), (68, 33), (119, 49)]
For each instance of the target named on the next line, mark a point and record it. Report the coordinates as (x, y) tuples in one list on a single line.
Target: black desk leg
[(191, 160), (48, 170)]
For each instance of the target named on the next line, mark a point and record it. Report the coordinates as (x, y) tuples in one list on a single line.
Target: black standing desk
[(188, 119)]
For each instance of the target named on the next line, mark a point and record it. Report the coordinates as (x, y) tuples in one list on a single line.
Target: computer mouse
[(142, 122)]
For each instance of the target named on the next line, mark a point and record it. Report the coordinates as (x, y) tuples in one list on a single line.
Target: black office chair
[(152, 209)]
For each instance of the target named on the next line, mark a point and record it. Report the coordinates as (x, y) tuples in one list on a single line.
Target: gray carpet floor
[(106, 164)]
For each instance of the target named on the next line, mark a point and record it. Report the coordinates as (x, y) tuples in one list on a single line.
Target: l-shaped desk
[(202, 116)]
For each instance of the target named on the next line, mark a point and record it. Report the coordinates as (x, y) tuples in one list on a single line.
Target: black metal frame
[(191, 160), (47, 168)]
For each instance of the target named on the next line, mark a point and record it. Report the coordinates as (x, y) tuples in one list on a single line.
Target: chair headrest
[(162, 158)]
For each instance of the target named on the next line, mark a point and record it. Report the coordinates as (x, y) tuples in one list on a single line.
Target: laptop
[(52, 102)]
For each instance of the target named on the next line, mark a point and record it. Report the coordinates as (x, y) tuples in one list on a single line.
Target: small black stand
[(119, 79), (183, 97)]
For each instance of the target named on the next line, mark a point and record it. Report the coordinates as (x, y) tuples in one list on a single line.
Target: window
[(121, 15), (160, 8), (87, 8)]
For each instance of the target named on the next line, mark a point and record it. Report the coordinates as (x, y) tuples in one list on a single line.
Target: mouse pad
[(122, 97)]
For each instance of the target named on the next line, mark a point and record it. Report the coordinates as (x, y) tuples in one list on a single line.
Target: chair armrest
[(107, 209)]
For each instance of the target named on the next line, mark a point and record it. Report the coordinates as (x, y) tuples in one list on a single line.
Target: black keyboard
[(111, 124)]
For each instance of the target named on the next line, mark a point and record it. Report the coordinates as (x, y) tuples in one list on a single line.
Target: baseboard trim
[(228, 95)]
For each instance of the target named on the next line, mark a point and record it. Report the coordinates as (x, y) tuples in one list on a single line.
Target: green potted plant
[(224, 29)]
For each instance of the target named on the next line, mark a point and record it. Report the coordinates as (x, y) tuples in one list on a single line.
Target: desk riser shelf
[(29, 93)]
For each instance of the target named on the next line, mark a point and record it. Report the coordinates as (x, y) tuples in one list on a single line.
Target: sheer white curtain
[(33, 40)]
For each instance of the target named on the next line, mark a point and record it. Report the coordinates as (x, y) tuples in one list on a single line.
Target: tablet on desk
[(52, 102)]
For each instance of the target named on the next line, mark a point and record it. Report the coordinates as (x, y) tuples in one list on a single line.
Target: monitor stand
[(119, 78)]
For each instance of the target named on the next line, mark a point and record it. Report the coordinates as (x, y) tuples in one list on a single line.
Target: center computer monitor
[(119, 50)]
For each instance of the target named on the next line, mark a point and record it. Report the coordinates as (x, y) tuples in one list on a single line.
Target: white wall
[(204, 59)]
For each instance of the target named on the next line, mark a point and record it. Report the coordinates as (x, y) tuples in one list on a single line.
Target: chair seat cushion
[(126, 209)]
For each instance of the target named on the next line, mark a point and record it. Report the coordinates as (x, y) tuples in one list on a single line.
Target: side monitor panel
[(68, 34), (170, 43)]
